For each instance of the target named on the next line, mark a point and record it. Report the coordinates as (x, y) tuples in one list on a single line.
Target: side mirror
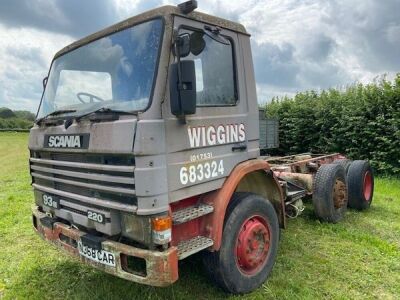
[(182, 45), (183, 91), (44, 82), (197, 42)]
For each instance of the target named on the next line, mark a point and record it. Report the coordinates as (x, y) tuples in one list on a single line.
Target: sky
[(297, 44)]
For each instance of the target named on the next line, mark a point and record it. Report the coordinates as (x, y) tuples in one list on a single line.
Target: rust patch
[(161, 267), (220, 198), (302, 163), (339, 194), (306, 180)]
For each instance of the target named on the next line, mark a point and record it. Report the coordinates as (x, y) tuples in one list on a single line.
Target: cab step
[(194, 245), (192, 212)]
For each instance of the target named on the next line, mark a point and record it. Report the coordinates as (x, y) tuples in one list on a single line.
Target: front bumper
[(161, 267)]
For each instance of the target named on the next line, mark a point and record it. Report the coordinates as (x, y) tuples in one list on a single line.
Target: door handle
[(239, 147)]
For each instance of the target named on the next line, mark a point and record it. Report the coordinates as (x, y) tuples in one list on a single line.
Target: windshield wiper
[(102, 110), (55, 113), (107, 114)]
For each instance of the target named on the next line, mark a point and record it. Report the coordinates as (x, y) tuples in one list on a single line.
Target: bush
[(15, 123), (361, 121), (24, 114), (6, 113), (14, 120)]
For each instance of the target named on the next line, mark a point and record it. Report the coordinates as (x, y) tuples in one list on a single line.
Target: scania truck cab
[(146, 149)]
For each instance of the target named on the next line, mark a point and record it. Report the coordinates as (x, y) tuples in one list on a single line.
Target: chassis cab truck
[(146, 150)]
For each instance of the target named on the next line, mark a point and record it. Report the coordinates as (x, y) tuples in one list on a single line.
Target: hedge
[(15, 123), (360, 121)]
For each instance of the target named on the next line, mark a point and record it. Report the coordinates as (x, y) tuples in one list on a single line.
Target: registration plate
[(100, 256)]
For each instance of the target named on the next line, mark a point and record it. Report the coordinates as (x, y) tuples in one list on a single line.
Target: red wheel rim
[(252, 245), (367, 186)]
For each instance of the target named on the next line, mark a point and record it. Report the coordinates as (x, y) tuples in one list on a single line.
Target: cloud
[(25, 56), (72, 17), (275, 64), (129, 8), (313, 44), (369, 30), (297, 45)]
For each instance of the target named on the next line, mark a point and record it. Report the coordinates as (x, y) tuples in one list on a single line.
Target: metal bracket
[(48, 222), (92, 241)]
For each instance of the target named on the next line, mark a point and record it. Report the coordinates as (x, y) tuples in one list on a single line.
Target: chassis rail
[(296, 175)]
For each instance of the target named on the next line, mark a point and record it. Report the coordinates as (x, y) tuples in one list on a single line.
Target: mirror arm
[(181, 118), (178, 57), (44, 82)]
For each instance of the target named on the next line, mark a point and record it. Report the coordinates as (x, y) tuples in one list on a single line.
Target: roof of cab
[(161, 11)]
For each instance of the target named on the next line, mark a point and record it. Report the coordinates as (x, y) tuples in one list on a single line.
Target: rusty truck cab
[(124, 174), (146, 150)]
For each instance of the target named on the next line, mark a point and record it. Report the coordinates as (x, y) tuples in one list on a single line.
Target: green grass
[(358, 258)]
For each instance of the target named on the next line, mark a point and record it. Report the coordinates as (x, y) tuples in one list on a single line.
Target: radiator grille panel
[(104, 177)]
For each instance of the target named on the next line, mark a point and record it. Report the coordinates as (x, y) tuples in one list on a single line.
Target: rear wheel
[(361, 184), (249, 245), (330, 193), (345, 163)]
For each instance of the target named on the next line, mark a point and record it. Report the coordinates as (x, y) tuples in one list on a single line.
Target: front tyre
[(249, 245)]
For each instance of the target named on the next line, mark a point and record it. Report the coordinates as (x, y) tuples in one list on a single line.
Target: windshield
[(115, 72)]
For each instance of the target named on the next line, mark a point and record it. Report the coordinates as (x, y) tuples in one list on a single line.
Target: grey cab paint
[(159, 142)]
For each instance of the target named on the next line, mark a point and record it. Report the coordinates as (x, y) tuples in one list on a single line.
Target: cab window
[(215, 73)]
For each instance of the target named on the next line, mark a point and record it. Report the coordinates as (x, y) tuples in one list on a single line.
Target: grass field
[(358, 258)]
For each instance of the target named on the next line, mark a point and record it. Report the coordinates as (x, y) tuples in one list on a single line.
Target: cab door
[(203, 150)]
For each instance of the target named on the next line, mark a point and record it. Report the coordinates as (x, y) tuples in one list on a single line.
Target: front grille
[(100, 179)]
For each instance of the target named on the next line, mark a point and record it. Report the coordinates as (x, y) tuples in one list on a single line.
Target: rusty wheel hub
[(367, 186), (252, 244), (339, 194)]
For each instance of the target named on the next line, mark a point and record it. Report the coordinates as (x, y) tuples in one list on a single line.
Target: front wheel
[(249, 245)]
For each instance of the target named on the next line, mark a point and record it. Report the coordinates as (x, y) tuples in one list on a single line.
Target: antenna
[(188, 6)]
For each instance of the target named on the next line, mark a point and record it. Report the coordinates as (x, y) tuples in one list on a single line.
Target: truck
[(146, 150)]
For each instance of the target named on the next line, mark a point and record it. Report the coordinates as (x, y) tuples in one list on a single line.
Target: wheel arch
[(263, 183), (253, 176)]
